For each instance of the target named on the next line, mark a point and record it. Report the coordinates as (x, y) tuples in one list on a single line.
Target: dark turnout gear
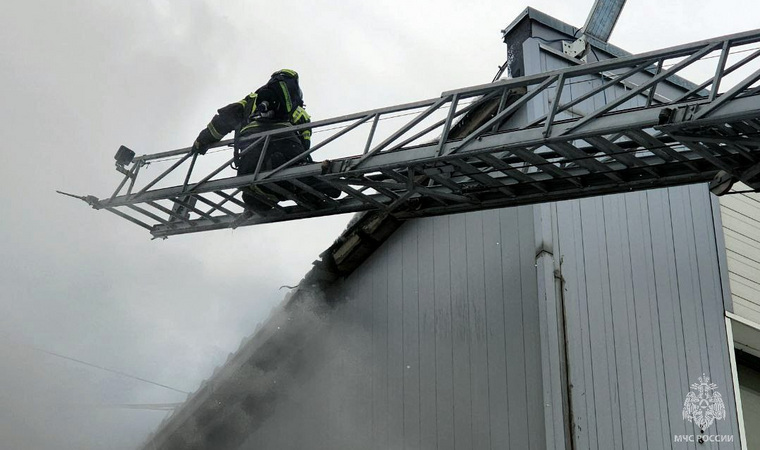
[(277, 104)]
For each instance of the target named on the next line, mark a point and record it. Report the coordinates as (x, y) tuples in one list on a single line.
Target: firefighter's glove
[(199, 148), (202, 142)]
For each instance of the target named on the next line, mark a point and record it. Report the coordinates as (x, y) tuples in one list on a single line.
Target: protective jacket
[(279, 103)]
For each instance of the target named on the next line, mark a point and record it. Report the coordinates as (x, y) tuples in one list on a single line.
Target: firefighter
[(277, 104)]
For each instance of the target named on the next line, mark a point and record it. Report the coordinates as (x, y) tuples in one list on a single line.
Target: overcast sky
[(81, 77)]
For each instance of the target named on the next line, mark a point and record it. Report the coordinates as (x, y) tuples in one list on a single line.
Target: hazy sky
[(81, 77)]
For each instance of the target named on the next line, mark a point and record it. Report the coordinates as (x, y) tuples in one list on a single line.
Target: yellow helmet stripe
[(288, 103)]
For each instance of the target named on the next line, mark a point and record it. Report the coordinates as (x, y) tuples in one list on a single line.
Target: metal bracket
[(577, 49)]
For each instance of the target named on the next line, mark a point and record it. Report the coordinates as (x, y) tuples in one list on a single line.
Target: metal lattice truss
[(463, 151)]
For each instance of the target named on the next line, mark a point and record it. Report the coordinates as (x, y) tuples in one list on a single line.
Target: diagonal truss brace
[(437, 163)]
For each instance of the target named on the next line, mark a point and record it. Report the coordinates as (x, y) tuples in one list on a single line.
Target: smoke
[(247, 393), (306, 383), (50, 403)]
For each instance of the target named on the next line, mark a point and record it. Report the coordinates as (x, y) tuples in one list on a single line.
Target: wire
[(734, 52), (410, 113), (321, 130), (143, 406), (105, 369), (175, 158)]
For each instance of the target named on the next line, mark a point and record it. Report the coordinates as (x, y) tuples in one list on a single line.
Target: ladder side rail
[(448, 121), (739, 64), (411, 124), (665, 74), (747, 37), (613, 80), (526, 145), (354, 205), (728, 96), (506, 112), (683, 50), (677, 51), (605, 125), (330, 139)]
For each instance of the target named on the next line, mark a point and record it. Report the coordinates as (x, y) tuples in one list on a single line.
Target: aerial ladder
[(468, 150)]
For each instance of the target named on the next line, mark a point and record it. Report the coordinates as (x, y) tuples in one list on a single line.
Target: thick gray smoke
[(306, 383), (286, 353)]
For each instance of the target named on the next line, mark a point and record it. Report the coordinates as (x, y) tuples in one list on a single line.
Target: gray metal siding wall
[(445, 338), (643, 300), (436, 345), (644, 316)]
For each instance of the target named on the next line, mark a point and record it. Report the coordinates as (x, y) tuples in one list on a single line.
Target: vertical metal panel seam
[(530, 289), (419, 336), (630, 314), (577, 248), (564, 363), (504, 318), (372, 344), (635, 316), (485, 325), (387, 347), (403, 351), (419, 331), (453, 337), (588, 319), (694, 265), (675, 283), (613, 393), (545, 288), (702, 287), (468, 336), (681, 287), (662, 297), (440, 223), (666, 420), (568, 407), (435, 326)]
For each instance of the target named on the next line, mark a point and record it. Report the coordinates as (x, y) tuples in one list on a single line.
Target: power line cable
[(105, 369)]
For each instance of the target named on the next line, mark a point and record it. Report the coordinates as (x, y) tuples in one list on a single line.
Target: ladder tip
[(89, 199)]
